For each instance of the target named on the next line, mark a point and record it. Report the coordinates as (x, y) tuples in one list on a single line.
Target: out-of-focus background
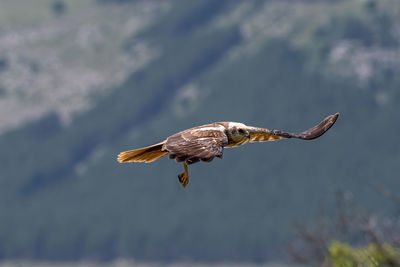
[(82, 80)]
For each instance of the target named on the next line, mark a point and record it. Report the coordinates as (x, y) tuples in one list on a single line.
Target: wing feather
[(261, 134), (199, 143)]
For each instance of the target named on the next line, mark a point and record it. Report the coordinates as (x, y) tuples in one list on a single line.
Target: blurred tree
[(352, 225), (3, 64), (59, 7), (343, 255)]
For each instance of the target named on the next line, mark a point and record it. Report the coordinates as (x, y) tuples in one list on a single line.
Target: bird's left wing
[(199, 143), (261, 135)]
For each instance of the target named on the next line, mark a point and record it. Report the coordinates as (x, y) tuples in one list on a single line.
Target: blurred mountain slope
[(273, 64), (62, 62)]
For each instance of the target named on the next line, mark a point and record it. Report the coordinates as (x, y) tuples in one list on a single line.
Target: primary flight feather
[(204, 143)]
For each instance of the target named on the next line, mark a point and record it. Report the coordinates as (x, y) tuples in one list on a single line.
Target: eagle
[(205, 142)]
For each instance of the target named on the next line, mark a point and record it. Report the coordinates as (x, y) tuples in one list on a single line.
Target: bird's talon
[(183, 179)]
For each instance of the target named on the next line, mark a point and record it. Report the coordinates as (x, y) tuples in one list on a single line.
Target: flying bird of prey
[(204, 143)]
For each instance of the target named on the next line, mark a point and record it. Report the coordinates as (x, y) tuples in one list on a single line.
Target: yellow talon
[(184, 176)]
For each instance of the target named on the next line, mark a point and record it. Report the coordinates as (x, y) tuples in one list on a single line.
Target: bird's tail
[(146, 154)]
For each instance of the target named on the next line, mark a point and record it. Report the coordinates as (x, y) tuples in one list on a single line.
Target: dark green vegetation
[(346, 256), (63, 196)]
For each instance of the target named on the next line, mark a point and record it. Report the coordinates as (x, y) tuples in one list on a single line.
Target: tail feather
[(146, 154)]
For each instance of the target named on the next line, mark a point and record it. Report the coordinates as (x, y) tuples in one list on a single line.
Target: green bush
[(344, 255)]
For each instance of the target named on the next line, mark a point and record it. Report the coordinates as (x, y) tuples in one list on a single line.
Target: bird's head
[(237, 133)]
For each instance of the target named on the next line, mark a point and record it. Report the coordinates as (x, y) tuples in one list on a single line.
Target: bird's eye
[(241, 131)]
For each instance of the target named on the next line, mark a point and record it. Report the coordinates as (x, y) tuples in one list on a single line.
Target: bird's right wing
[(261, 134)]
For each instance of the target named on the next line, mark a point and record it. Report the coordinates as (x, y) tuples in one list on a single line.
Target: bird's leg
[(184, 176)]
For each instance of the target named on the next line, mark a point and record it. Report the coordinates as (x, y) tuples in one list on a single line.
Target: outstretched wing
[(261, 135), (199, 143)]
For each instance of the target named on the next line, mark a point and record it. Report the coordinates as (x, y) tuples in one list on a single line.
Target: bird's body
[(204, 143)]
